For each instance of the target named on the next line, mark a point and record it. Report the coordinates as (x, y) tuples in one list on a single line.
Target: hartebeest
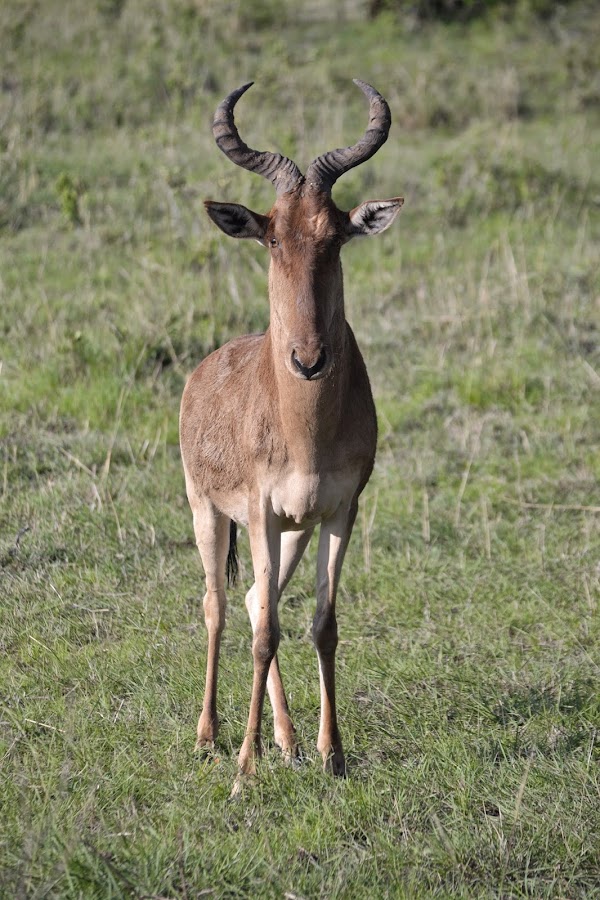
[(278, 430)]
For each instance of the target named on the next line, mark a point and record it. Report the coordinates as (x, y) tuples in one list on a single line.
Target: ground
[(469, 658)]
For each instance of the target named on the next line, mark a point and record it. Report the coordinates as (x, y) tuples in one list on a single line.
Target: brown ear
[(236, 220), (373, 217)]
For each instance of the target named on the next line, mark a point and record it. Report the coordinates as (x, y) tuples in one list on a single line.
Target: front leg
[(212, 537), (333, 541), (265, 539)]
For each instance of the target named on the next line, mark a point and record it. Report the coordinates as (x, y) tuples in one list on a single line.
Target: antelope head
[(304, 233)]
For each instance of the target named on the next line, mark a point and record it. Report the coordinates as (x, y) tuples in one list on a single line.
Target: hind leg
[(293, 545), (333, 541), (212, 537)]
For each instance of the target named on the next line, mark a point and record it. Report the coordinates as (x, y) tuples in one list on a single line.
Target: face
[(304, 237), (304, 233)]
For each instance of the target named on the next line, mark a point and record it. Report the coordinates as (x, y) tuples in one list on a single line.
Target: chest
[(301, 499)]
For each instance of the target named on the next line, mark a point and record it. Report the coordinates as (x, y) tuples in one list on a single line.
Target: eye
[(273, 242)]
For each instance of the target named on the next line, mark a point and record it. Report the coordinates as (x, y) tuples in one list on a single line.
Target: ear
[(236, 220), (372, 217)]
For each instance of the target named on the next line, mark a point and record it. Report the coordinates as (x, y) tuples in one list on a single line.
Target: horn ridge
[(324, 171), (282, 172)]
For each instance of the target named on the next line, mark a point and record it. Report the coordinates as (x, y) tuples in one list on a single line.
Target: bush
[(457, 10)]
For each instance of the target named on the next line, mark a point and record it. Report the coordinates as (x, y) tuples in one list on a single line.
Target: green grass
[(470, 631)]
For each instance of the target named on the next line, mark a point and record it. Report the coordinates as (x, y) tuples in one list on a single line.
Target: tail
[(232, 557)]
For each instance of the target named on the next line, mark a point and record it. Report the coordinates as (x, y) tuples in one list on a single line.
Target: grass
[(470, 632)]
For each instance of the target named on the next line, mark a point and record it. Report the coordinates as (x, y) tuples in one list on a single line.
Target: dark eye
[(274, 242)]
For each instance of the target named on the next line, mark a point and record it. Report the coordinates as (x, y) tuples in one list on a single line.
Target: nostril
[(320, 363), (309, 372), (300, 366)]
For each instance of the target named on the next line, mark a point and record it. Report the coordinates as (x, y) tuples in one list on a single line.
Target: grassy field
[(469, 621)]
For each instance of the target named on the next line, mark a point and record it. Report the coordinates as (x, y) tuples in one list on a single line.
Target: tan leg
[(212, 537), (265, 539), (333, 541), (293, 545)]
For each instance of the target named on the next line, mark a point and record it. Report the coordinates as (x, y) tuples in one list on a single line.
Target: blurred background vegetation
[(469, 611)]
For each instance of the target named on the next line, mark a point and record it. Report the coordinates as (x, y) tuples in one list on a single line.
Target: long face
[(304, 237), (304, 233)]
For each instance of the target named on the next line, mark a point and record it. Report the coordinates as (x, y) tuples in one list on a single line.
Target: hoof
[(292, 757), (248, 755), (207, 732), (289, 746), (204, 746), (334, 763), (285, 738), (241, 781)]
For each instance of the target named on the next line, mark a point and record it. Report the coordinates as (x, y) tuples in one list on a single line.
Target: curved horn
[(280, 171), (324, 171)]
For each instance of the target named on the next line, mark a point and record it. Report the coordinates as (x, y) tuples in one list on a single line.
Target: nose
[(309, 371)]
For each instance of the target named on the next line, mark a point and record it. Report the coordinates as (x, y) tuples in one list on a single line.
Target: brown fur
[(281, 453)]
